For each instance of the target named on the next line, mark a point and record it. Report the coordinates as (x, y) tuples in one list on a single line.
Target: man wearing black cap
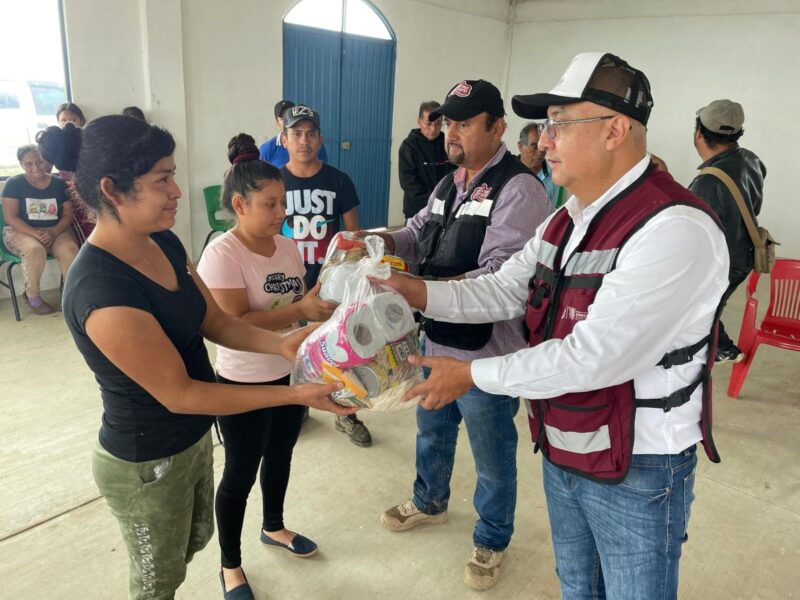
[(718, 128), (619, 290), (273, 151), (476, 217)]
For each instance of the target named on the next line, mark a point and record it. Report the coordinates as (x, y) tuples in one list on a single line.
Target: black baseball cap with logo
[(282, 106), (295, 114), (469, 98), (597, 77)]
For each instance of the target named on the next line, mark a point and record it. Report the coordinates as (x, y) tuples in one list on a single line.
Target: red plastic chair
[(780, 326)]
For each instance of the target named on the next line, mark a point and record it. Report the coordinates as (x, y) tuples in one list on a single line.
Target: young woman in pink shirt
[(256, 274)]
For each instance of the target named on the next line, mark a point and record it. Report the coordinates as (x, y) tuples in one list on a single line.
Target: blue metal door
[(349, 79), (312, 66)]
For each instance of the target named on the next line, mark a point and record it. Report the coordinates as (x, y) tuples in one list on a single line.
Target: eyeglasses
[(550, 125)]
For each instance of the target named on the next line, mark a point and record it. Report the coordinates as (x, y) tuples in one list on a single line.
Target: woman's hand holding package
[(317, 395), (291, 341), (315, 308), (449, 379)]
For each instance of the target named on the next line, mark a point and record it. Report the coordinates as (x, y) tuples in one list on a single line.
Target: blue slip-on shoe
[(301, 546), (240, 592)]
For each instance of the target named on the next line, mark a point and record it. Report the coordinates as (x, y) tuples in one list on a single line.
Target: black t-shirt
[(38, 208), (314, 206), (135, 426)]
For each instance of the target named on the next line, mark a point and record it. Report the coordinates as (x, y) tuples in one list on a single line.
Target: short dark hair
[(25, 149), (248, 173), (525, 131), (134, 112), (117, 147), (427, 106), (714, 139), (73, 108), (491, 120)]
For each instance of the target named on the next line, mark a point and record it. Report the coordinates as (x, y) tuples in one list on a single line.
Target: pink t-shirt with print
[(270, 282)]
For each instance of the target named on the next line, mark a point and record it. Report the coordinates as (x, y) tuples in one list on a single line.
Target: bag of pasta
[(368, 339)]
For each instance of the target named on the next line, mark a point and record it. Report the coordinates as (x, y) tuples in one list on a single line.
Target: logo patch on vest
[(462, 90), (571, 313), (481, 192)]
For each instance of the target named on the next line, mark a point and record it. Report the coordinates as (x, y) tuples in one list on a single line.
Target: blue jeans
[(621, 541), (489, 419)]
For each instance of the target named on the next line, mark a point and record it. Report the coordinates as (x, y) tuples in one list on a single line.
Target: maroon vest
[(591, 433)]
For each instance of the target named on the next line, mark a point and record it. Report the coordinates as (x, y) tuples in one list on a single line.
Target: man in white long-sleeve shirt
[(620, 290)]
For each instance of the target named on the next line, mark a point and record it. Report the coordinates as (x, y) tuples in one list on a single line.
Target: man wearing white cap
[(619, 289), (718, 128)]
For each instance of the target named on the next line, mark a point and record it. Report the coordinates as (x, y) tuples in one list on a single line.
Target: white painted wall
[(207, 70), (234, 76), (692, 53)]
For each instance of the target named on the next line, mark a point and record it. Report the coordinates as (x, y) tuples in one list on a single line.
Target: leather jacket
[(748, 172)]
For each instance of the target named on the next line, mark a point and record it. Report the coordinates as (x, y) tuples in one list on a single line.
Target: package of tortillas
[(368, 339)]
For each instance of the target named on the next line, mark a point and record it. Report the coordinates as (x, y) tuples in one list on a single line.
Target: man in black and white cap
[(476, 217), (273, 151), (619, 290), (718, 128)]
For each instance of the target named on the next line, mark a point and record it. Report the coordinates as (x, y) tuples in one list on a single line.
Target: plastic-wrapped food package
[(344, 252), (368, 339)]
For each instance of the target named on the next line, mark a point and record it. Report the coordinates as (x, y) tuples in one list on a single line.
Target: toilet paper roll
[(333, 281), (394, 315), (351, 342)]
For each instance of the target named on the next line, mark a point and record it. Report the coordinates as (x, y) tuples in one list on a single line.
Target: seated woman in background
[(38, 217), (256, 274), (138, 313), (84, 220)]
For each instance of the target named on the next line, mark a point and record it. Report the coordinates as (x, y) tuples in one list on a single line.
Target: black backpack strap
[(684, 355), (675, 399)]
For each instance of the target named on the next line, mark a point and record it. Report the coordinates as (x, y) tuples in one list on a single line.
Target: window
[(32, 74), (47, 97), (350, 16), (8, 97)]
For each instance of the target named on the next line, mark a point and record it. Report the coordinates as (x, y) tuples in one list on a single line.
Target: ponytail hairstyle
[(117, 147), (247, 172)]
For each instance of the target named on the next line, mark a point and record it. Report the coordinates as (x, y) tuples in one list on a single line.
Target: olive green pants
[(165, 509)]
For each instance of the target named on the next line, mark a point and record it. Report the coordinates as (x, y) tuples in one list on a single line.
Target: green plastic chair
[(211, 194), (8, 260)]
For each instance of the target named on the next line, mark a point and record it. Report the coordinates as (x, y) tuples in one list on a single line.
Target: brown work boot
[(354, 429), (483, 569), (407, 516)]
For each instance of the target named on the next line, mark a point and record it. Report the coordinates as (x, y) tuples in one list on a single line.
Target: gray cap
[(722, 116)]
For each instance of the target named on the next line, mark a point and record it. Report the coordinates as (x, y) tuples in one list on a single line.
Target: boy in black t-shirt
[(317, 196)]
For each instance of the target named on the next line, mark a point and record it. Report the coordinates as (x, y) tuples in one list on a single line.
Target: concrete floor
[(58, 539)]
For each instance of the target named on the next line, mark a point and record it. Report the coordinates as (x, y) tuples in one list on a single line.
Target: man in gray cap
[(717, 130), (619, 290)]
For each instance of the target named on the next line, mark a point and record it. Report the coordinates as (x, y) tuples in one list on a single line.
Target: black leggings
[(267, 437)]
